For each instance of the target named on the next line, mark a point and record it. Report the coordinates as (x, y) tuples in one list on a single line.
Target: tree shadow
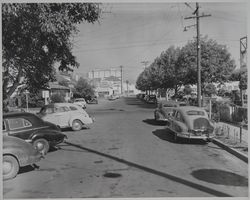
[(220, 177), (167, 135), (156, 172), (155, 122)]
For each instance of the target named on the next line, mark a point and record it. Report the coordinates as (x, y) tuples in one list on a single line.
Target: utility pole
[(121, 80), (243, 61), (197, 17)]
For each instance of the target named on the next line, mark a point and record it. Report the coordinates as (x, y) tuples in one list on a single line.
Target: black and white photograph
[(126, 99)]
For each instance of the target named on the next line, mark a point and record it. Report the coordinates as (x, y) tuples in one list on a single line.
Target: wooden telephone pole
[(197, 17)]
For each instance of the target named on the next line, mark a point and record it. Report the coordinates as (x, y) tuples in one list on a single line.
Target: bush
[(57, 98), (224, 112), (239, 114)]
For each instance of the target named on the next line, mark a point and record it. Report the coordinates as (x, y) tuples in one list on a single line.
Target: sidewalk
[(228, 137)]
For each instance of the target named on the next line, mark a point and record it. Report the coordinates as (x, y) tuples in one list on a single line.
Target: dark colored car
[(92, 100), (17, 153), (29, 127), (151, 99)]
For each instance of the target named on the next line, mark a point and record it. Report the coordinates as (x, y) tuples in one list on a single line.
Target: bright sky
[(129, 33)]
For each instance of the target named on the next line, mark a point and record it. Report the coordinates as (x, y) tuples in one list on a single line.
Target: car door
[(48, 114), (177, 122), (62, 115)]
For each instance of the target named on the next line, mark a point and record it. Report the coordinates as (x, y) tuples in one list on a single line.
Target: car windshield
[(195, 112)]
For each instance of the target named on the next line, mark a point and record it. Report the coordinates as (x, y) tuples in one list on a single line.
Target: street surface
[(125, 153)]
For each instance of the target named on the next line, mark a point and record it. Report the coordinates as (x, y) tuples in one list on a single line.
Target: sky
[(129, 33)]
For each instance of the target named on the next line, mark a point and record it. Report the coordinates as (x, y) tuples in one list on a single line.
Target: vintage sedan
[(66, 115), (29, 127), (165, 109), (191, 122), (17, 153)]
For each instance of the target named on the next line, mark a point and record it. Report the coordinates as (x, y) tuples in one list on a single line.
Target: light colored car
[(165, 109), (66, 115), (191, 122), (17, 153), (80, 102)]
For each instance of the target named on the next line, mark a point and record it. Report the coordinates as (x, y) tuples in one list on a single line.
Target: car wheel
[(10, 167), (77, 125), (41, 145)]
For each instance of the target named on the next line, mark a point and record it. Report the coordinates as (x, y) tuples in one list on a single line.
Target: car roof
[(17, 114), (60, 104), (185, 109)]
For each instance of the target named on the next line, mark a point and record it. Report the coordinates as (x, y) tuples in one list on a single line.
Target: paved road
[(126, 154)]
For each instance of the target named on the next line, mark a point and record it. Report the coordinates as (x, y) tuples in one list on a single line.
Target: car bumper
[(202, 136)]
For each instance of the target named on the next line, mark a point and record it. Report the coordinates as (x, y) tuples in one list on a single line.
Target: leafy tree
[(210, 89), (216, 62), (35, 36), (64, 83), (187, 89), (240, 75), (83, 89)]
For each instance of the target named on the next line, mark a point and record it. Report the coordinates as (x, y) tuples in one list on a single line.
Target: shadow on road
[(155, 123), (168, 135), (155, 172), (220, 177), (26, 169), (136, 102)]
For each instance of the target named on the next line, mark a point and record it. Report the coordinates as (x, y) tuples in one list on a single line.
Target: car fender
[(179, 127), (84, 120), (46, 134)]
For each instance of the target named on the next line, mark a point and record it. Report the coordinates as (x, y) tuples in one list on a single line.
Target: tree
[(83, 89), (210, 89), (64, 82), (241, 76), (187, 89), (36, 36), (216, 62)]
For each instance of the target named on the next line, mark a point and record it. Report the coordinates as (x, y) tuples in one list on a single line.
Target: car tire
[(76, 125), (41, 145), (10, 167)]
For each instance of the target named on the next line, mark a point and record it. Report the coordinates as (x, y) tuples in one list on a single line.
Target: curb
[(235, 152)]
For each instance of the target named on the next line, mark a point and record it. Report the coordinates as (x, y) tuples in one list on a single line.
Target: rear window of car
[(46, 110), (17, 123), (195, 112)]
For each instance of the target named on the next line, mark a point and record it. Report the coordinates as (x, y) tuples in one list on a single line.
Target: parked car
[(113, 97), (17, 153), (151, 99), (191, 122), (65, 115), (92, 100), (80, 102), (29, 127), (165, 109)]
